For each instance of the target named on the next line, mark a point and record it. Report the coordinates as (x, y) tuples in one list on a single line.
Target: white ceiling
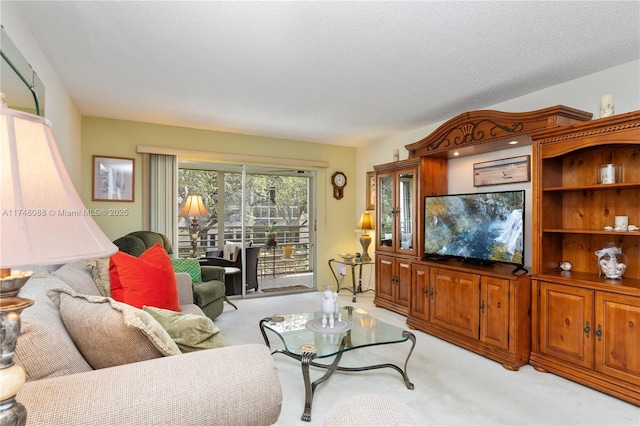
[(340, 72)]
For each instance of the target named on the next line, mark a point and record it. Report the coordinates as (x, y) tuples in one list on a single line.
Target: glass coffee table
[(304, 339)]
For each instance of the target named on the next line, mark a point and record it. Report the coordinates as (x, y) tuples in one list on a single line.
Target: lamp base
[(194, 233), (365, 240), (12, 413), (194, 245), (12, 376)]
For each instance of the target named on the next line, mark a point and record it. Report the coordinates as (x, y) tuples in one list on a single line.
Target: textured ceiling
[(332, 72)]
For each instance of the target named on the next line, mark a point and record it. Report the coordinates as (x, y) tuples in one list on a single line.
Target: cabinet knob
[(482, 306), (599, 333), (587, 329)]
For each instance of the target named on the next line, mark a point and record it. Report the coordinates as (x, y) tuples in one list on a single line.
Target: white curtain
[(160, 203)]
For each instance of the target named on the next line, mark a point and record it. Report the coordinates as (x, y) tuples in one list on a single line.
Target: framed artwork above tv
[(499, 172)]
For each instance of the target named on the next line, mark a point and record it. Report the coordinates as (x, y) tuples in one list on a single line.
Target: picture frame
[(370, 203), (112, 179), (504, 171)]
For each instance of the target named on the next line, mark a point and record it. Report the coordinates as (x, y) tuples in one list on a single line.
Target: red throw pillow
[(146, 280)]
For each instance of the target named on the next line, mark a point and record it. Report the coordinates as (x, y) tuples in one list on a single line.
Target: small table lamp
[(366, 223), (43, 222), (194, 208)]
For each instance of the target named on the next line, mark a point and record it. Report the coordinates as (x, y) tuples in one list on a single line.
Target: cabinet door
[(455, 304), (566, 323), (403, 283), (386, 212), (396, 210), (618, 336), (494, 311), (406, 212), (419, 307), (384, 277)]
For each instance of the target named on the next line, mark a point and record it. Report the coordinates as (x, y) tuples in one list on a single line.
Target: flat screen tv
[(481, 228)]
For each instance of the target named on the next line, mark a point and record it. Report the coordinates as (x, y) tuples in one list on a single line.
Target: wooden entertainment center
[(574, 324)]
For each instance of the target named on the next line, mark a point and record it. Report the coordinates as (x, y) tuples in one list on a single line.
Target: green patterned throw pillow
[(189, 332), (190, 266)]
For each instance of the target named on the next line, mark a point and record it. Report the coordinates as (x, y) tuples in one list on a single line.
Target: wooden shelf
[(590, 232), (589, 280), (598, 187)]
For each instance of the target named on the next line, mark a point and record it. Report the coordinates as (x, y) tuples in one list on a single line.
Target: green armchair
[(208, 294)]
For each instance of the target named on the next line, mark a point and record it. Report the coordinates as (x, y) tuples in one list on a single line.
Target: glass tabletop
[(366, 331), (353, 261)]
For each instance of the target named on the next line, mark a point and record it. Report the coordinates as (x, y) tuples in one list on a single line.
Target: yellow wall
[(118, 138)]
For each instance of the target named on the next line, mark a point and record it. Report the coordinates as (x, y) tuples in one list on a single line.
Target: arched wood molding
[(474, 128)]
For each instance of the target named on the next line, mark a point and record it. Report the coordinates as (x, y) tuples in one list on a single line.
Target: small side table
[(353, 264), (232, 272)]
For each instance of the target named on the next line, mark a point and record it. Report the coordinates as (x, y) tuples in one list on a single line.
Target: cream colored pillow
[(100, 271), (110, 333), (231, 251), (189, 331)]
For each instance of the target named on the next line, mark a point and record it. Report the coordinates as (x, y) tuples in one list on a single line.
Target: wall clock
[(339, 181)]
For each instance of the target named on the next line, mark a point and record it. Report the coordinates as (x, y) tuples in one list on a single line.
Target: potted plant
[(270, 234), (287, 252)]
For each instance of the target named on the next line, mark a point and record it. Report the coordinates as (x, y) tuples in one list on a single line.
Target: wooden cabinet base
[(587, 332), (382, 303), (587, 377), (485, 309), (393, 279), (510, 361)]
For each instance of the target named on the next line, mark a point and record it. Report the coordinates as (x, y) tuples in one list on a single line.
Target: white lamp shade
[(43, 219), (194, 207)]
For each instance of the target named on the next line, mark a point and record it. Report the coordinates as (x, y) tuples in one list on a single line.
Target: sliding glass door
[(271, 209)]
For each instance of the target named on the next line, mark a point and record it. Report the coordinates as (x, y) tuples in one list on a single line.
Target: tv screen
[(482, 227)]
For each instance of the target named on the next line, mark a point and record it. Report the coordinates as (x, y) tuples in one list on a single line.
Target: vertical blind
[(160, 189)]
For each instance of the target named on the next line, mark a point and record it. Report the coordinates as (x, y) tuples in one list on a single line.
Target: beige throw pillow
[(230, 251), (110, 333), (44, 348), (100, 272), (189, 331)]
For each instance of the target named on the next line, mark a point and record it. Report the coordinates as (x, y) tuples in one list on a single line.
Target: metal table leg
[(353, 281), (310, 388)]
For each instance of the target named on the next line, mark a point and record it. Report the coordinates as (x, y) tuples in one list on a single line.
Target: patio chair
[(234, 281)]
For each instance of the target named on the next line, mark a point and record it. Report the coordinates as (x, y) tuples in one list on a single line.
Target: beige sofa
[(233, 385)]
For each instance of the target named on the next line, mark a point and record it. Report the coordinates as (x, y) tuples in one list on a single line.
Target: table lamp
[(194, 208), (43, 221), (366, 223)]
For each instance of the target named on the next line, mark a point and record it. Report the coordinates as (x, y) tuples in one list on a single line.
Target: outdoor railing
[(271, 261)]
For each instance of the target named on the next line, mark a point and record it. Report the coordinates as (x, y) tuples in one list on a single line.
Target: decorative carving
[(484, 126), (590, 132), (469, 133)]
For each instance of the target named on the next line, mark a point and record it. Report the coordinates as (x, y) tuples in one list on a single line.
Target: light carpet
[(453, 386)]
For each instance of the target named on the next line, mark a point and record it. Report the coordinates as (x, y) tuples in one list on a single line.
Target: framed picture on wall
[(498, 172), (371, 191), (112, 178)]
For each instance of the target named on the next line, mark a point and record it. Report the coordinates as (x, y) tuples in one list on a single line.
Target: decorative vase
[(611, 261)]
